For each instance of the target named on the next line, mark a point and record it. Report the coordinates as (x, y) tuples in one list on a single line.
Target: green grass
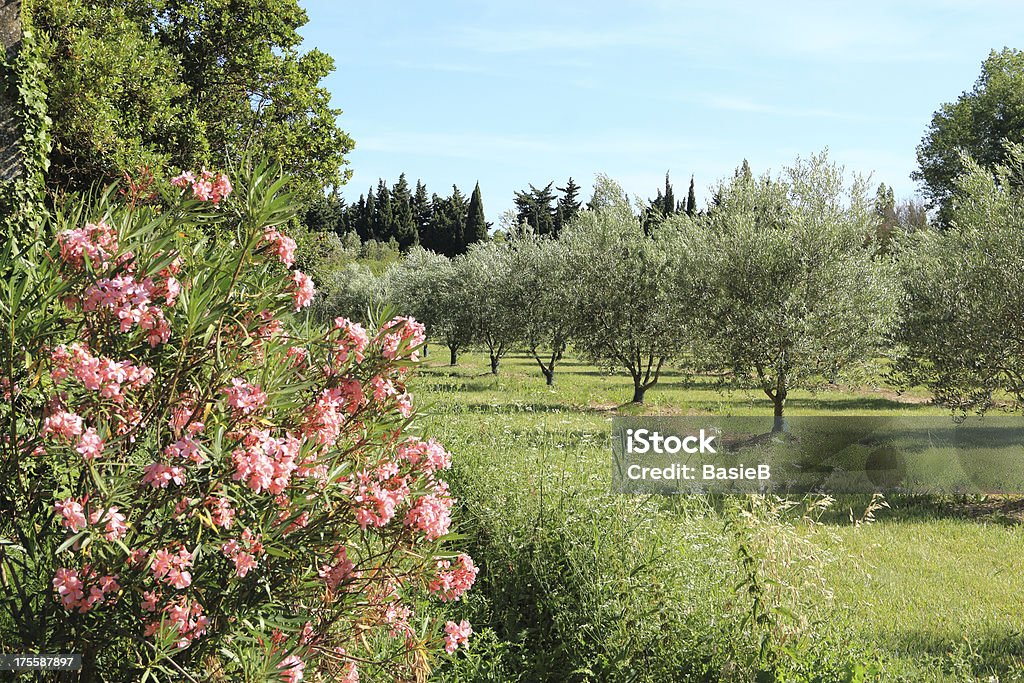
[(936, 591)]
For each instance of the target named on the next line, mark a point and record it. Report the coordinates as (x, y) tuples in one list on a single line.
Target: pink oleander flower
[(456, 634), (221, 512), (96, 242), (334, 574), (264, 462), (304, 289), (73, 514), (283, 245), (245, 398), (393, 333), (62, 424), (299, 355), (404, 403), (90, 445), (431, 514), (207, 187), (68, 586), (115, 526), (71, 589), (159, 475), (150, 599), (451, 583), (382, 389), (429, 456), (292, 669), (396, 615), (243, 563), (352, 340), (183, 417), (187, 449), (172, 568)]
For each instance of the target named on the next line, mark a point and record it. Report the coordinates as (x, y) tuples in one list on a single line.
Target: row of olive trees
[(775, 288)]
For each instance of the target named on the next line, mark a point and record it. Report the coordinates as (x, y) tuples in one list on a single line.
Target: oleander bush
[(198, 482)]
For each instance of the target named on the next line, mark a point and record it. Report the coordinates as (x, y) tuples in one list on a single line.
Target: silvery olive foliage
[(962, 333), (798, 299)]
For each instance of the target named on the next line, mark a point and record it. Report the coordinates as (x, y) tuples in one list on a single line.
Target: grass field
[(932, 591)]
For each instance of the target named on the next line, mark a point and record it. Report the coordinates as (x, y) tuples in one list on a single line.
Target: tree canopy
[(185, 84), (977, 123)]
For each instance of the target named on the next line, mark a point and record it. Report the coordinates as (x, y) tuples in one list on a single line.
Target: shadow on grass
[(981, 654)]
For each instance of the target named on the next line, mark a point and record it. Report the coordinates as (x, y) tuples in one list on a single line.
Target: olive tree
[(485, 274), (351, 290), (541, 301), (631, 311), (430, 288), (963, 326), (798, 297)]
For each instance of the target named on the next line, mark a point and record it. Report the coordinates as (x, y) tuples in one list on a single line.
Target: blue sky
[(510, 93)]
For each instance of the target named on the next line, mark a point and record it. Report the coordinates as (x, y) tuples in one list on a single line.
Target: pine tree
[(691, 199), (535, 208), (448, 223), (568, 205), (404, 221), (476, 222)]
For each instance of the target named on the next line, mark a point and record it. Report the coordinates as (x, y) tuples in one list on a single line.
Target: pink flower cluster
[(384, 388), (245, 398), (158, 475), (90, 446), (71, 589), (351, 341), (396, 616), (292, 668), (432, 513), (115, 527), (401, 331), (172, 568), (98, 373), (185, 448), (73, 513), (62, 424), (323, 420), (243, 554), (342, 568), (221, 512), (451, 583), (282, 245), (96, 242), (456, 634), (428, 456), (378, 494), (183, 616), (132, 302), (207, 187), (304, 291), (265, 463)]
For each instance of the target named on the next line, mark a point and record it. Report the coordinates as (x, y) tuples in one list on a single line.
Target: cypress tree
[(476, 222), (422, 210), (371, 216), (455, 229), (404, 221), (384, 220), (691, 199), (668, 203)]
